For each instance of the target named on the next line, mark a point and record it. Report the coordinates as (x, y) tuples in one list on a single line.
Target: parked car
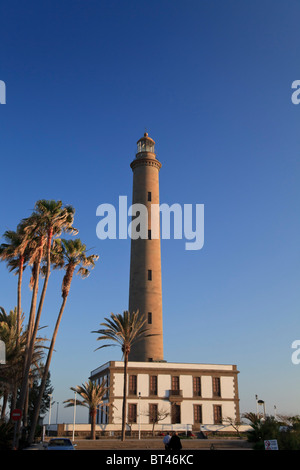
[(60, 443)]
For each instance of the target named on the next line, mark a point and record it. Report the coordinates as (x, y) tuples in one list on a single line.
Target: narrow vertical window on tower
[(149, 275), (149, 196), (149, 318), (149, 234)]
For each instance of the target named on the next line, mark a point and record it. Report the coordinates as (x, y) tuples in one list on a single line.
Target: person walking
[(175, 443), (166, 440)]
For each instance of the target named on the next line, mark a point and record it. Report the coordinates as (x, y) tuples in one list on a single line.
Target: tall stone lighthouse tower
[(145, 291)]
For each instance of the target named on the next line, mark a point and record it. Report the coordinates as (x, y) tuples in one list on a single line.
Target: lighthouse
[(145, 286), (193, 394)]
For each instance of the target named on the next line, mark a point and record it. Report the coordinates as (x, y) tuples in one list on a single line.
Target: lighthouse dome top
[(145, 144)]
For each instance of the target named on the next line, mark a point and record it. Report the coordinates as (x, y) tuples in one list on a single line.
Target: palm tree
[(92, 395), (48, 220), (14, 253), (20, 249), (124, 330), (69, 255), (11, 373)]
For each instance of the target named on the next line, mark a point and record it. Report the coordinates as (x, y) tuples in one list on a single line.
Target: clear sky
[(211, 82)]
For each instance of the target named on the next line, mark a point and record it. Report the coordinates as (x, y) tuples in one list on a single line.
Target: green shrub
[(289, 440), (268, 429), (6, 436)]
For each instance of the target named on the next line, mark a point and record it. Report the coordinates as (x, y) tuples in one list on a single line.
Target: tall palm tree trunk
[(74, 254), (33, 335), (26, 366), (39, 312), (124, 396), (35, 289), (43, 294), (45, 373), (4, 403), (19, 308), (19, 311), (14, 397)]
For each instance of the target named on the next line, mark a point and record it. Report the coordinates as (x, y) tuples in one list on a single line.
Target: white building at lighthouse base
[(185, 396)]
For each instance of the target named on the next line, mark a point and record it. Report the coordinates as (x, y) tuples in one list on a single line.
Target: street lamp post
[(57, 413), (261, 402), (49, 395), (74, 417), (139, 416)]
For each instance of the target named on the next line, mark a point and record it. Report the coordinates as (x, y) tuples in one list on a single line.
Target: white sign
[(271, 444), (3, 92), (2, 352)]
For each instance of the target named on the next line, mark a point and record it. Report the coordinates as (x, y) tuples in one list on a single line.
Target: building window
[(149, 234), (153, 384), (149, 196), (217, 414), (216, 386), (132, 413), (197, 386), (105, 415), (132, 385), (197, 414), (106, 379), (149, 275), (175, 413), (149, 318), (153, 413), (175, 383)]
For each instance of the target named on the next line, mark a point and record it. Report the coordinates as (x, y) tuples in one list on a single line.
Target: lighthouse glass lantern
[(145, 144)]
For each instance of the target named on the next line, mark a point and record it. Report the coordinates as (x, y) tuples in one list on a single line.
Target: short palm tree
[(69, 255), (124, 330), (11, 372), (92, 396)]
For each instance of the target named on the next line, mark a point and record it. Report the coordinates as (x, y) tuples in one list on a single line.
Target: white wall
[(186, 385), (227, 387), (206, 386), (163, 385)]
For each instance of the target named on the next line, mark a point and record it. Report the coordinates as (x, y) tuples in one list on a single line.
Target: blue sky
[(211, 83)]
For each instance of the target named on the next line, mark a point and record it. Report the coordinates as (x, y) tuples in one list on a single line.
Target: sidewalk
[(157, 445)]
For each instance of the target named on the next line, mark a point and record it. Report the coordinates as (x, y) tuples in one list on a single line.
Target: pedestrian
[(175, 443), (166, 440)]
